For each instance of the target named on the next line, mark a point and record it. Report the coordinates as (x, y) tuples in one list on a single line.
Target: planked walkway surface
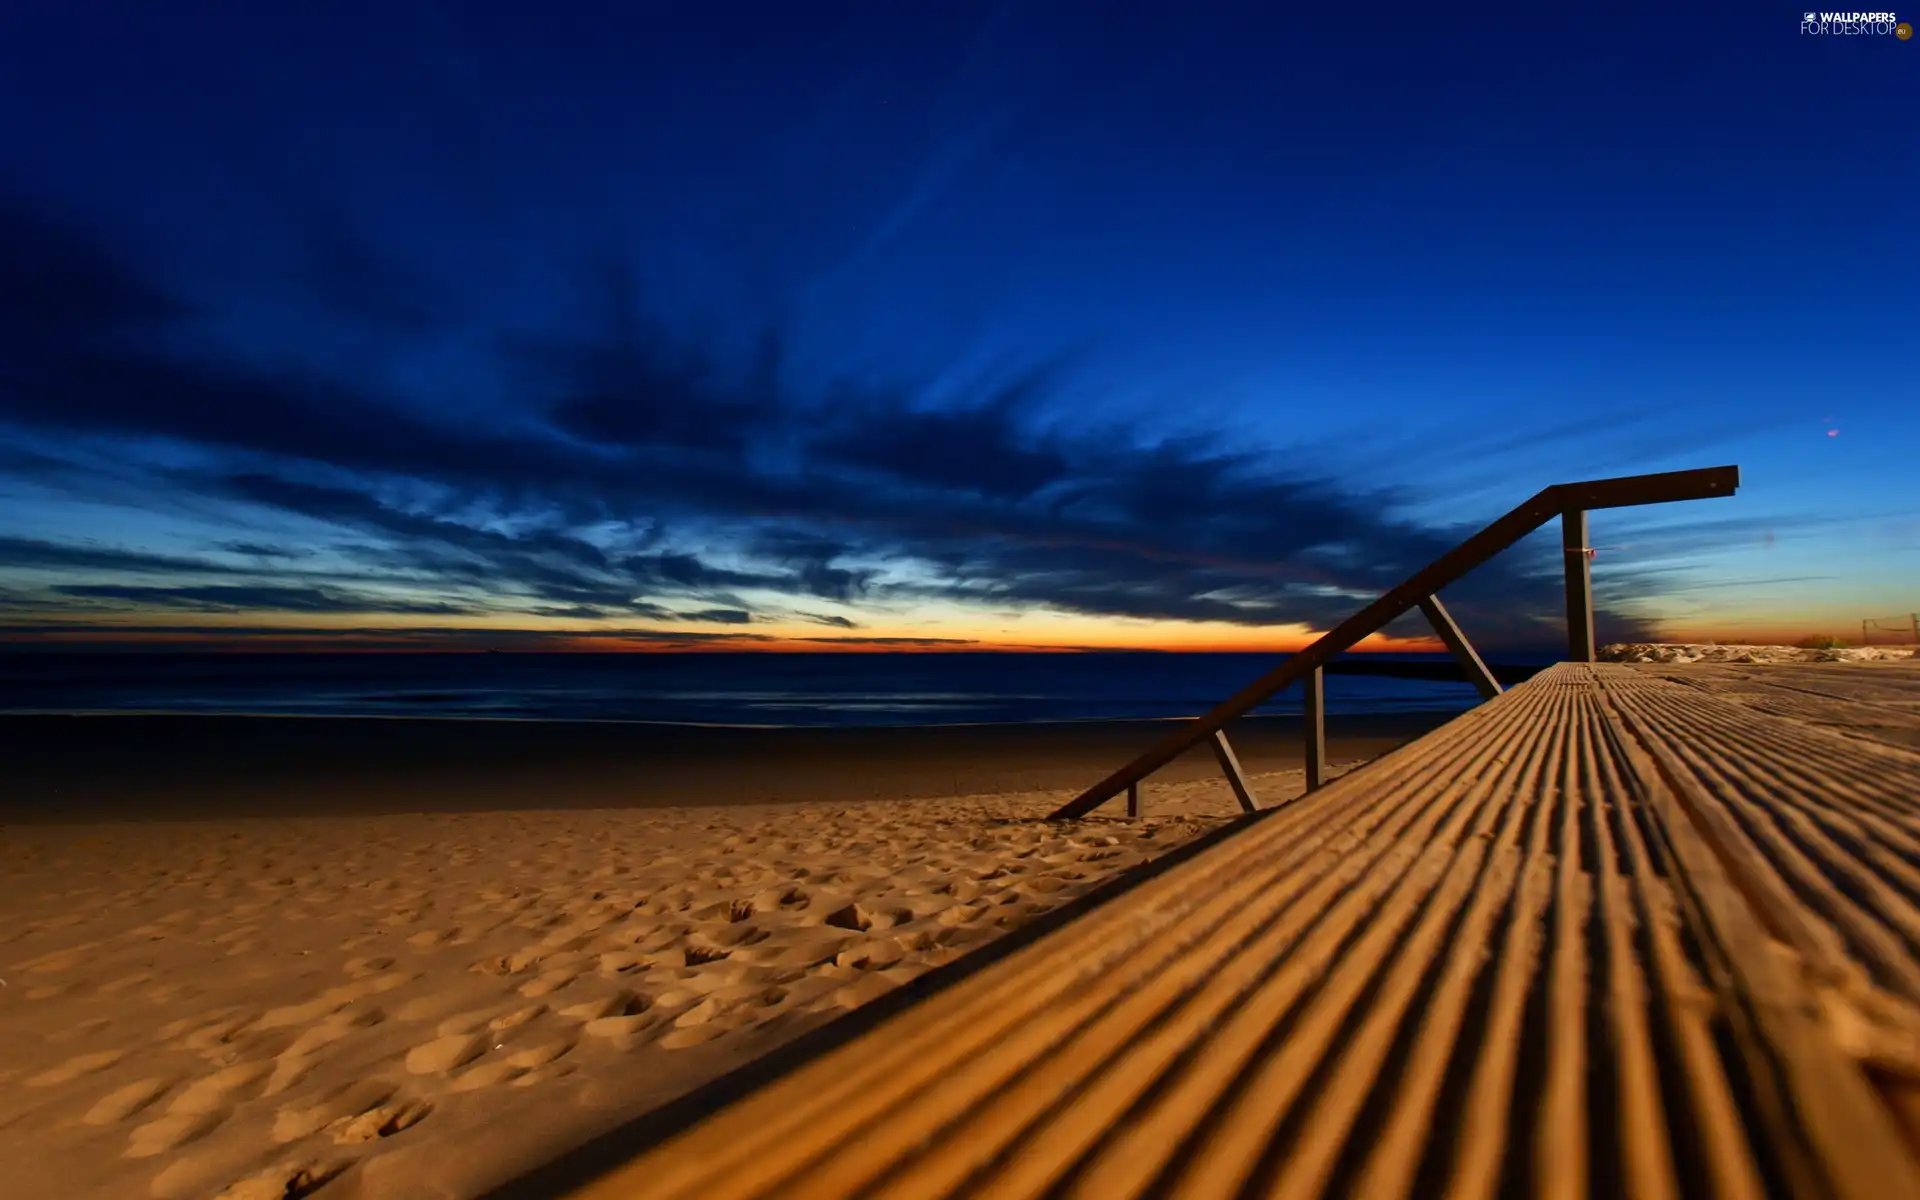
[(1648, 931)]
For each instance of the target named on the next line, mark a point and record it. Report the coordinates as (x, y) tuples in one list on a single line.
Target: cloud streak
[(635, 480)]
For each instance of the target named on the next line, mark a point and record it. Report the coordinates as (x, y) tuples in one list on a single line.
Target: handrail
[(1568, 500)]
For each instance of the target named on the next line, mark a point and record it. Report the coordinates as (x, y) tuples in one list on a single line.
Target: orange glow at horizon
[(924, 631), (1069, 637)]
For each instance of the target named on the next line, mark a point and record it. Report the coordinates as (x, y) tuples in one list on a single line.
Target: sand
[(427, 1004), (1711, 652)]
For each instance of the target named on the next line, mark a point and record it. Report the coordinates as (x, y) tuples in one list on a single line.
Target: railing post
[(1573, 540), (1314, 686), (1133, 798)]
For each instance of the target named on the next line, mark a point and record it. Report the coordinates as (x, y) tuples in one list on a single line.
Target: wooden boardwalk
[(1649, 931)]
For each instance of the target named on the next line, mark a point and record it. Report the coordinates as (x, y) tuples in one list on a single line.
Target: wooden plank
[(1230, 766), (1315, 708), (1863, 702), (1820, 830), (1496, 537), (1462, 650), (1504, 958), (1579, 559), (1751, 854)]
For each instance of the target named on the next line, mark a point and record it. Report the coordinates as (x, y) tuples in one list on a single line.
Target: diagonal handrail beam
[(1556, 500)]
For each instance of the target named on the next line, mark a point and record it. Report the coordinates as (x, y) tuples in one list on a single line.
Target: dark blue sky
[(1023, 324)]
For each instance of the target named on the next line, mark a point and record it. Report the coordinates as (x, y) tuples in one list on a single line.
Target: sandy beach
[(248, 957)]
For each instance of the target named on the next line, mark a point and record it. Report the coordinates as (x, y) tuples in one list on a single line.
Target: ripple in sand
[(548, 983), (120, 1104), (488, 1074), (626, 1029), (216, 1092), (171, 1132), (443, 1054), (75, 1067), (541, 1055)]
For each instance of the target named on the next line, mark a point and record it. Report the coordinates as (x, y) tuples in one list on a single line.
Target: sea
[(725, 689)]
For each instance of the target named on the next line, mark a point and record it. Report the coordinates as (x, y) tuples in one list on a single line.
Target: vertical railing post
[(1316, 729), (1573, 540), (1133, 798)]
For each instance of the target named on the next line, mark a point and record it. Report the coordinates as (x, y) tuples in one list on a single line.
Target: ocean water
[(713, 688)]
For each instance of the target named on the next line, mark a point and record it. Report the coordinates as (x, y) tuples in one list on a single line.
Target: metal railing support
[(1230, 766), (1463, 651), (1579, 558), (1316, 727), (1558, 500)]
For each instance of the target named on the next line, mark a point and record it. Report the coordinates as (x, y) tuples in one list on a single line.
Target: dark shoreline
[(91, 767)]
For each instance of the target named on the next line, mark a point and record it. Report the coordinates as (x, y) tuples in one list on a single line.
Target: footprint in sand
[(873, 953), (696, 954), (293, 1122), (626, 1029), (620, 962), (507, 964), (619, 1004), (383, 1121), (848, 915), (283, 1180)]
